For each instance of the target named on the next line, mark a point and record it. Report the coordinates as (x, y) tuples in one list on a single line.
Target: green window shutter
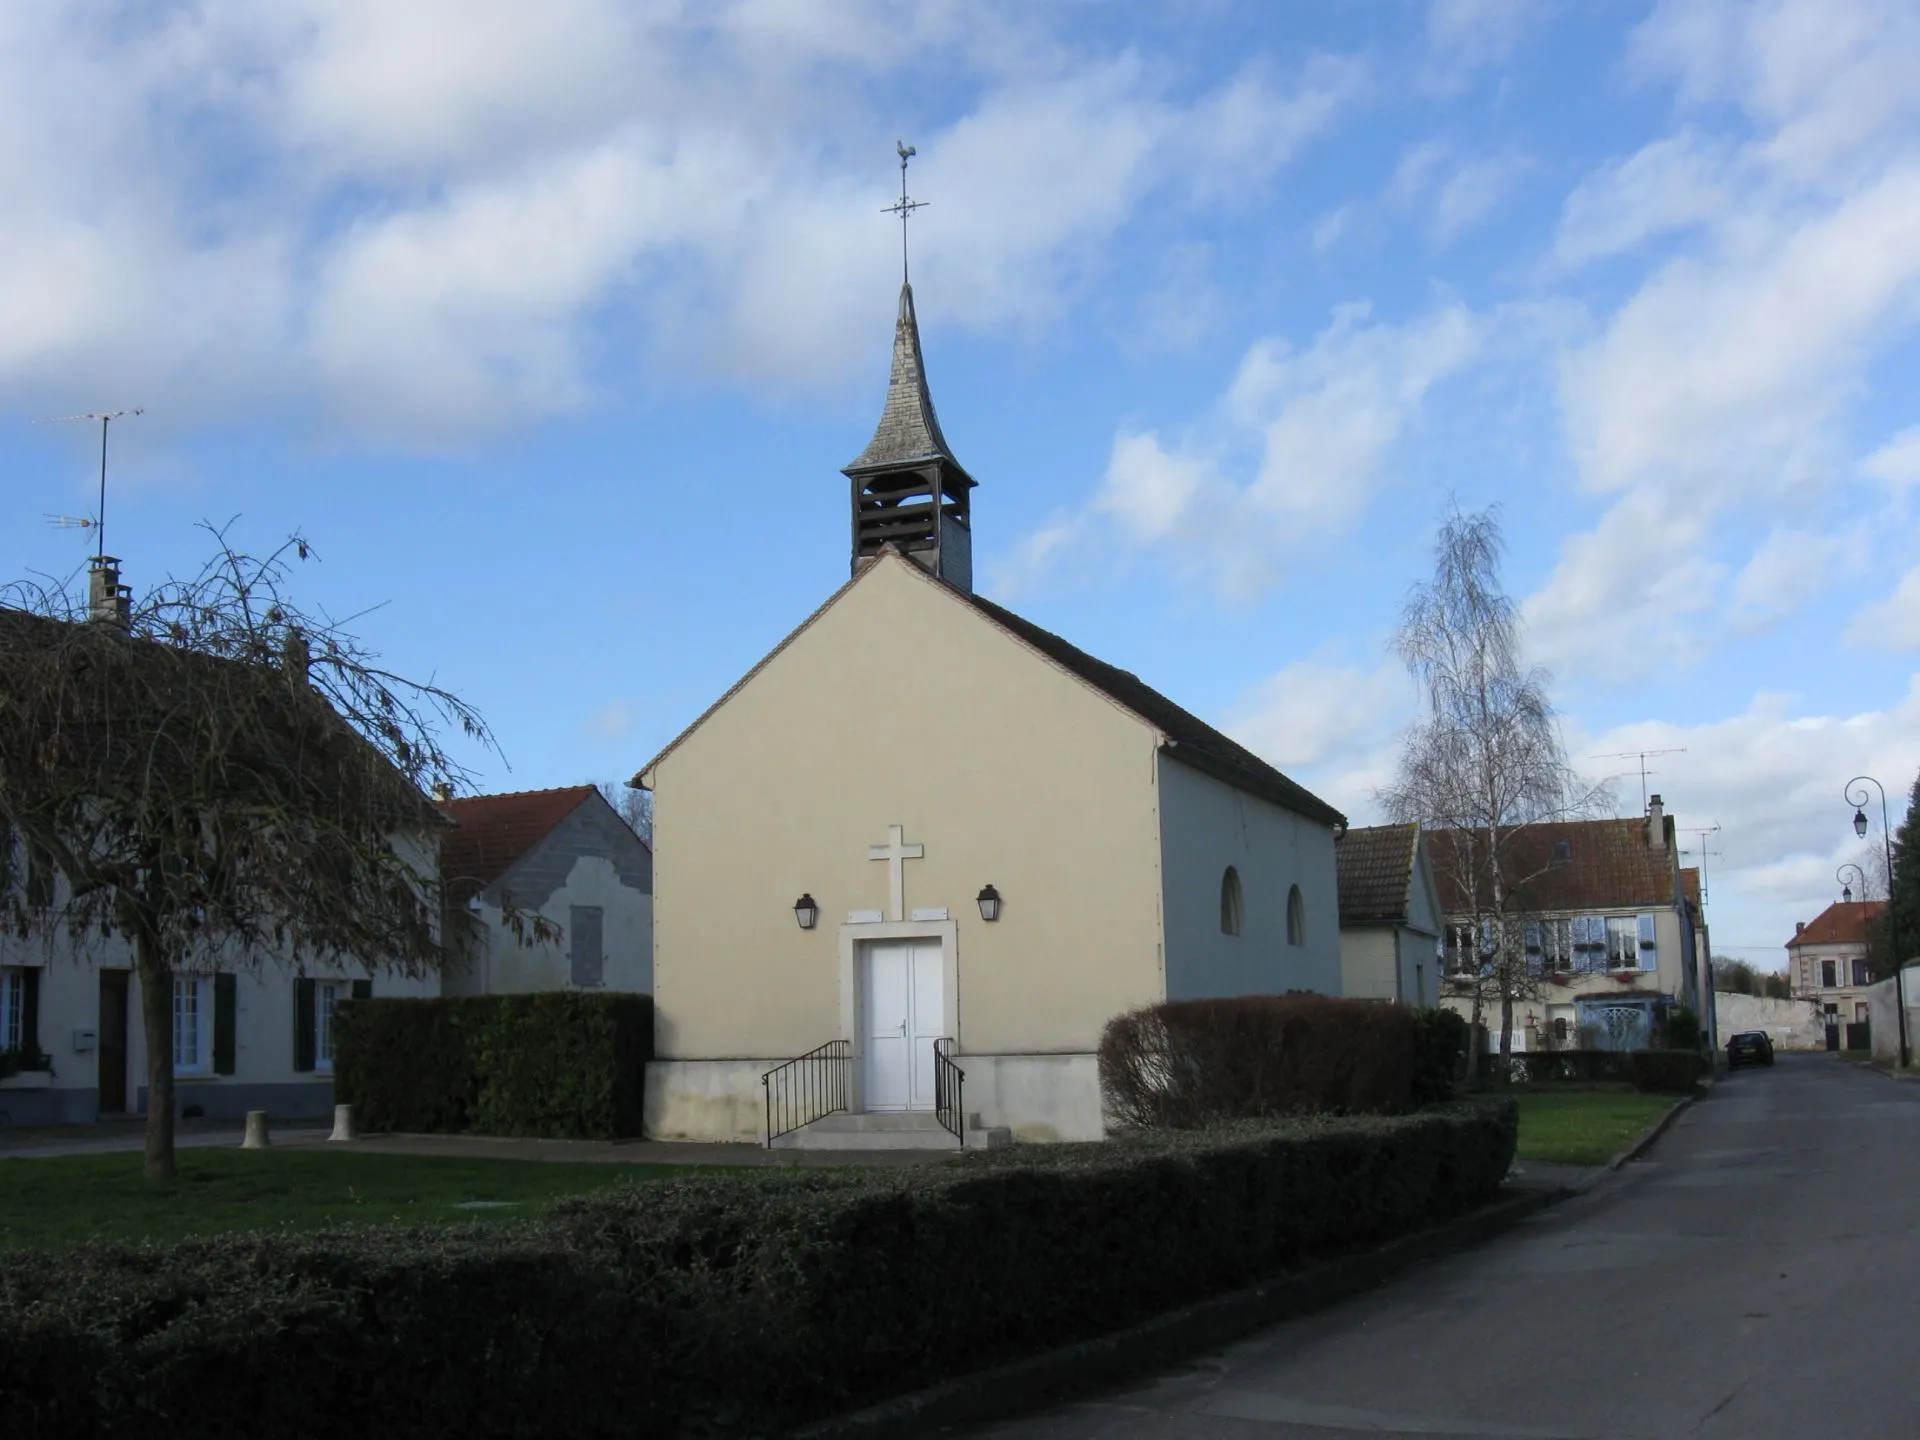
[(30, 1011), (223, 1021), (363, 989), (303, 1024)]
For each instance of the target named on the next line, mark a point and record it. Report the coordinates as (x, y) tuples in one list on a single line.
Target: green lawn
[(65, 1200), (1584, 1127)]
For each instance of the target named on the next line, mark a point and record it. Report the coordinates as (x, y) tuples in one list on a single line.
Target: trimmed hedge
[(1195, 1062), (1658, 1070), (1442, 1046), (732, 1305), (557, 1064)]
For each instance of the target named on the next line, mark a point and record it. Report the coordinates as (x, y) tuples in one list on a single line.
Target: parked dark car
[(1749, 1047)]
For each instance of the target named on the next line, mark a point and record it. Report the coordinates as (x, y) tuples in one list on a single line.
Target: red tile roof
[(1375, 864), (1842, 923), (1568, 865), (491, 832), (1690, 883)]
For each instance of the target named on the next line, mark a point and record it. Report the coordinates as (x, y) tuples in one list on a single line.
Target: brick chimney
[(1799, 927), (1656, 824), (107, 599)]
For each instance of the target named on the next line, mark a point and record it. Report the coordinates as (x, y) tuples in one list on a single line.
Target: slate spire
[(908, 490)]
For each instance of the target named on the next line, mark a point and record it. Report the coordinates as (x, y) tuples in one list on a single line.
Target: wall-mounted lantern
[(989, 899), (806, 910)]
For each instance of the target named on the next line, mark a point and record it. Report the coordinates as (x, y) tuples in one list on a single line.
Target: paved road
[(1756, 1275)]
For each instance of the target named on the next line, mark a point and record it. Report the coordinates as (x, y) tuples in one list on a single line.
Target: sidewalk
[(110, 1137)]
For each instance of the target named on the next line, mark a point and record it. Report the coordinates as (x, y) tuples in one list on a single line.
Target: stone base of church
[(1038, 1097)]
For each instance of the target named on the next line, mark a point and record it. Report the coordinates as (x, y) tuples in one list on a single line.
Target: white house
[(249, 1032), (566, 856)]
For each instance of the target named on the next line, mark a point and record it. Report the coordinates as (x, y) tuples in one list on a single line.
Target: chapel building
[(910, 865)]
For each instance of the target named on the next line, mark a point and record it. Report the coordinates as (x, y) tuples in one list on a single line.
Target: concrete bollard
[(343, 1124), (256, 1131)]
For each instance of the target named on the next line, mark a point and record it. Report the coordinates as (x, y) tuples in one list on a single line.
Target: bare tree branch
[(217, 776), (1486, 761)]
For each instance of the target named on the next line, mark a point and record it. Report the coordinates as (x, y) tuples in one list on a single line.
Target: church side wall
[(899, 705), (1207, 825)]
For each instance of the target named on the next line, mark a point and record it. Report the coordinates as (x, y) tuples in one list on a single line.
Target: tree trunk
[(1476, 1059), (156, 1014), (1506, 1022)]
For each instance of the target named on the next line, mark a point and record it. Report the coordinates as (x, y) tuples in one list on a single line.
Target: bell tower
[(908, 489)]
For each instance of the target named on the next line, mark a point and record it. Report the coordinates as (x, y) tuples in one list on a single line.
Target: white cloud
[(429, 219), (1466, 36), (1288, 458), (1790, 568), (1892, 623), (1771, 778), (1830, 79), (1896, 463), (1334, 728), (1673, 183), (1457, 192), (613, 721), (1721, 387)]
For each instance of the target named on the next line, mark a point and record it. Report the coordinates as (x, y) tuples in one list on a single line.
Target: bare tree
[(212, 773), (1486, 762), (633, 806)]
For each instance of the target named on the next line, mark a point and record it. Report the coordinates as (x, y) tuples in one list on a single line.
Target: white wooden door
[(903, 1011)]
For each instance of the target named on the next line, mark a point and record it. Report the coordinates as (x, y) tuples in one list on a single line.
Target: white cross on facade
[(896, 852)]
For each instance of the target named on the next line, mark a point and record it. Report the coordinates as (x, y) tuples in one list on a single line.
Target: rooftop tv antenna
[(99, 519), (1642, 756), (904, 207), (1700, 849)]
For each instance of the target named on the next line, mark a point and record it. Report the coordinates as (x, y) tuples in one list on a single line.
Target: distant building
[(1612, 935), (564, 855), (1390, 916), (1827, 964)]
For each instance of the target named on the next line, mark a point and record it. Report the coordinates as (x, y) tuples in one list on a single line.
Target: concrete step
[(891, 1130)]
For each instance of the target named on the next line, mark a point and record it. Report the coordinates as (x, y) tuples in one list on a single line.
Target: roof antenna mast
[(99, 520), (1642, 756), (905, 207)]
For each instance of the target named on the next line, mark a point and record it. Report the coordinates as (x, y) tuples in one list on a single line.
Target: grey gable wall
[(591, 830)]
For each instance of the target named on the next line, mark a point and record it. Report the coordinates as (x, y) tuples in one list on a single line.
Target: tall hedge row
[(731, 1305), (1194, 1062), (557, 1064)]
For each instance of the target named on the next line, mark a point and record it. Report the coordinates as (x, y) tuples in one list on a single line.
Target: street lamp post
[(1859, 804)]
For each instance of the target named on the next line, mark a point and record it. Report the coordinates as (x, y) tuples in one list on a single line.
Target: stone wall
[(1886, 1024), (1790, 1023)]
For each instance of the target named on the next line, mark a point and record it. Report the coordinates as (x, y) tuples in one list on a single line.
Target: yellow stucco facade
[(898, 704)]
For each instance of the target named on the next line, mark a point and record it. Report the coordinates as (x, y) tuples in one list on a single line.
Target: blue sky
[(550, 327)]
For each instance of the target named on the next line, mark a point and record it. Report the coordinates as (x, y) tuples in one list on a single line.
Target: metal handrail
[(948, 1078), (806, 1088)]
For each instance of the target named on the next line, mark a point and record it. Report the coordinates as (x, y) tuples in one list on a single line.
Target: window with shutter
[(225, 1019), (1649, 943), (13, 1009), (303, 1006), (192, 1025)]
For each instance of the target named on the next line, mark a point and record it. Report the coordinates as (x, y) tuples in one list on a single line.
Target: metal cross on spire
[(905, 207)]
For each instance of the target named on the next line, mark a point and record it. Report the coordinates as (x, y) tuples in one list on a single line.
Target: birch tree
[(1485, 761), (211, 772)]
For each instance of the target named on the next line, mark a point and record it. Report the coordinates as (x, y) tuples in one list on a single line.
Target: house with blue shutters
[(1610, 933)]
